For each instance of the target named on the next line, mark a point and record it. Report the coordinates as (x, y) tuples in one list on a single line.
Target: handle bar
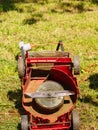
[(28, 46)]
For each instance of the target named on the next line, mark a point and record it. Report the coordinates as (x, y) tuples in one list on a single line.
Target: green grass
[(74, 22)]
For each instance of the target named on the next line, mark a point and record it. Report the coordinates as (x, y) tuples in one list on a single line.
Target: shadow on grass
[(16, 97), (6, 5), (94, 1), (34, 19), (93, 85), (71, 7), (60, 8), (93, 81), (30, 21), (19, 127), (38, 1), (79, 7), (89, 99)]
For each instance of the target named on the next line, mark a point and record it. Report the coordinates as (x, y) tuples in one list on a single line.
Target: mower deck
[(32, 87)]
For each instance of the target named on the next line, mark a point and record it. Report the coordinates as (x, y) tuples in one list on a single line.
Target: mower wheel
[(21, 68), (24, 122), (76, 65), (75, 120)]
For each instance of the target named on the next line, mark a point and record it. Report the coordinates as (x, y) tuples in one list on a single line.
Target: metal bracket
[(60, 44)]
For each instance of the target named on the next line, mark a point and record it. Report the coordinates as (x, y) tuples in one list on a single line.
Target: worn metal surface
[(32, 87)]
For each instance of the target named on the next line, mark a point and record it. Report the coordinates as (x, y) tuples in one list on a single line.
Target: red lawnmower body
[(39, 69)]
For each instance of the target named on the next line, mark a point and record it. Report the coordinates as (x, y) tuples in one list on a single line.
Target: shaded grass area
[(48, 23), (6, 5), (61, 6)]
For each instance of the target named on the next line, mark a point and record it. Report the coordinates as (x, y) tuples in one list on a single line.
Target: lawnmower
[(49, 88)]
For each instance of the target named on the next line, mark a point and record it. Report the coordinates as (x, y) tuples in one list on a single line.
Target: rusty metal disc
[(50, 103)]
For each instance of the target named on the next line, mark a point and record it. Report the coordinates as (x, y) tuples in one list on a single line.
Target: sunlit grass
[(46, 24)]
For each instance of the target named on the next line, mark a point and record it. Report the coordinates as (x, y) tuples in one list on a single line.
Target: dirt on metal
[(32, 87)]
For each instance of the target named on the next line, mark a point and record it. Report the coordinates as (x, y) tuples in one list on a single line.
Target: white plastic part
[(21, 44), (26, 47)]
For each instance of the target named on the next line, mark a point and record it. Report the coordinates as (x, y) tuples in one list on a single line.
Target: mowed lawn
[(46, 22)]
